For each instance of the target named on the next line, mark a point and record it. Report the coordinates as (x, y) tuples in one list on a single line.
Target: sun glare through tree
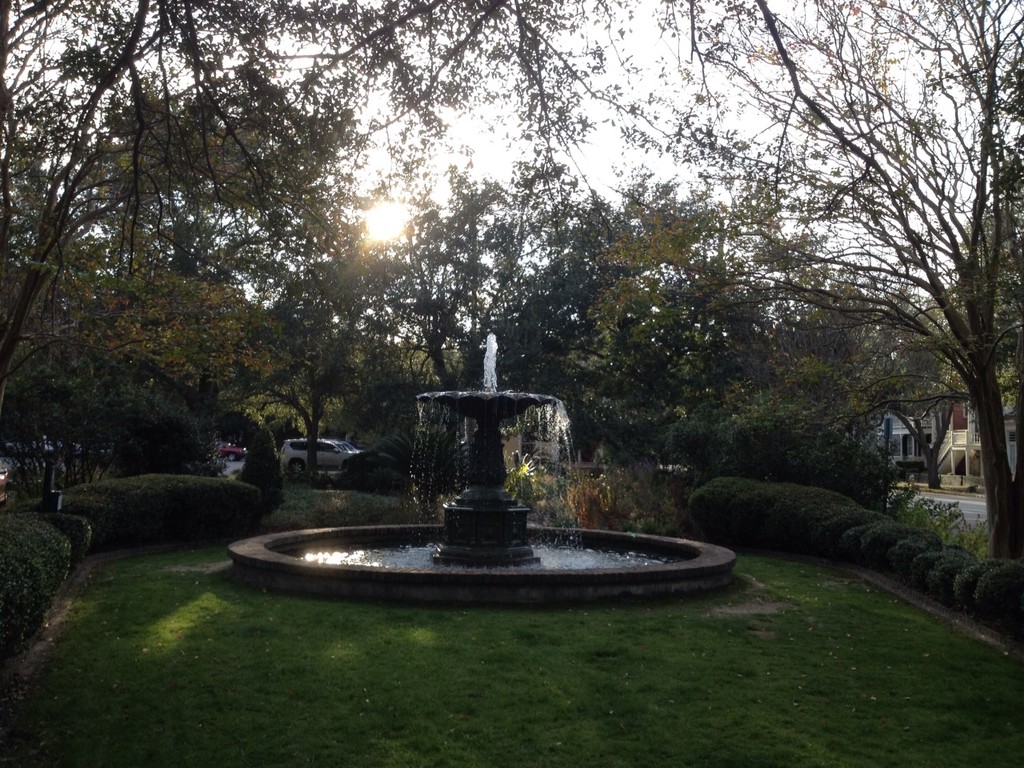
[(386, 220)]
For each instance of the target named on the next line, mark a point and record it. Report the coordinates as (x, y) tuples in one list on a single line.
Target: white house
[(960, 453)]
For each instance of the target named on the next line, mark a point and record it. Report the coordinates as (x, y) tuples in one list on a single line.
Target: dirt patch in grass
[(757, 602), (216, 567)]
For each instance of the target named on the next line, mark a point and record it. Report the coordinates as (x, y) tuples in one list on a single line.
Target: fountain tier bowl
[(275, 562)]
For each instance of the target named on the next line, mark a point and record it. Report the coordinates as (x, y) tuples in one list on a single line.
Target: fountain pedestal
[(485, 526)]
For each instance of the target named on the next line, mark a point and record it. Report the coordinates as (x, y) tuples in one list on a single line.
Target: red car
[(230, 452)]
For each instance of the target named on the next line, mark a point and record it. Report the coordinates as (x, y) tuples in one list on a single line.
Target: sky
[(477, 144)]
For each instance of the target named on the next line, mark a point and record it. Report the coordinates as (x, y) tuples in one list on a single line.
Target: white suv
[(330, 454)]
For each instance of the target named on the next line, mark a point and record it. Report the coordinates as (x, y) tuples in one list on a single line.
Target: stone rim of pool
[(275, 562)]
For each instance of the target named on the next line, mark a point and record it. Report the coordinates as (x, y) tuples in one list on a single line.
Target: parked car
[(330, 454), (230, 451)]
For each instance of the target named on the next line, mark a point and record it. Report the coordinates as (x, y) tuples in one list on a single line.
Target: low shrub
[(801, 513), (901, 555), (783, 516), (34, 561), (371, 472), (78, 531), (848, 545), (732, 510), (966, 583), (998, 595), (921, 568), (941, 577), (263, 470), (827, 534), (150, 509), (880, 537)]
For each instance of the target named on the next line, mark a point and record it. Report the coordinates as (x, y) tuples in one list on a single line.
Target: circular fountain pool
[(598, 565)]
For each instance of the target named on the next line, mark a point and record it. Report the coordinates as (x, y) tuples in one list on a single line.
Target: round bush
[(999, 593), (828, 533), (795, 521), (921, 568), (902, 554), (966, 583), (76, 528), (939, 581), (848, 547), (34, 560), (876, 539)]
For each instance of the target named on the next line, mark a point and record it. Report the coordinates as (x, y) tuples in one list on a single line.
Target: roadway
[(972, 507)]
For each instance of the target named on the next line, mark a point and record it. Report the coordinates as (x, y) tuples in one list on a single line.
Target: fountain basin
[(275, 562)]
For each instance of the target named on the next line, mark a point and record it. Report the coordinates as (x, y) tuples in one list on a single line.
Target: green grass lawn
[(164, 662)]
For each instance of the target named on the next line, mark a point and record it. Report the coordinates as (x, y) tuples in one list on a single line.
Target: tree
[(113, 114), (893, 160), (674, 326), (310, 349), (434, 282)]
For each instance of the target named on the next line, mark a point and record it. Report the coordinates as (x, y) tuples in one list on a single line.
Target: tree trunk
[(931, 452), (1002, 494), (931, 459)]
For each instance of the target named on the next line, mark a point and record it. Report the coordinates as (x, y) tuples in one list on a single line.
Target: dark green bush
[(150, 509), (848, 546), (770, 441), (207, 508), (34, 561), (793, 521), (901, 555), (263, 470), (122, 511), (868, 544), (828, 533), (782, 516), (921, 568), (372, 472), (731, 510), (998, 596), (966, 583), (78, 531), (941, 577)]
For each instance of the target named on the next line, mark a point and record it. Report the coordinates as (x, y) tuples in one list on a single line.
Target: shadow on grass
[(164, 661)]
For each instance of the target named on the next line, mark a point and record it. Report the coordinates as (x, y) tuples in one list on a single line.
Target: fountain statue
[(484, 525)]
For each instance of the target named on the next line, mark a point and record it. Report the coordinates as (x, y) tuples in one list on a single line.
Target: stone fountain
[(484, 552), (484, 525)]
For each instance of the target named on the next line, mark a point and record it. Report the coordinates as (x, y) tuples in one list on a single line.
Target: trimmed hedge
[(78, 530), (792, 518), (810, 521), (940, 579), (902, 555), (34, 561), (150, 509), (966, 583), (999, 595)]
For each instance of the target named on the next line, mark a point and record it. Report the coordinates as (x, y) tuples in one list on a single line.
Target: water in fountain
[(491, 364)]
